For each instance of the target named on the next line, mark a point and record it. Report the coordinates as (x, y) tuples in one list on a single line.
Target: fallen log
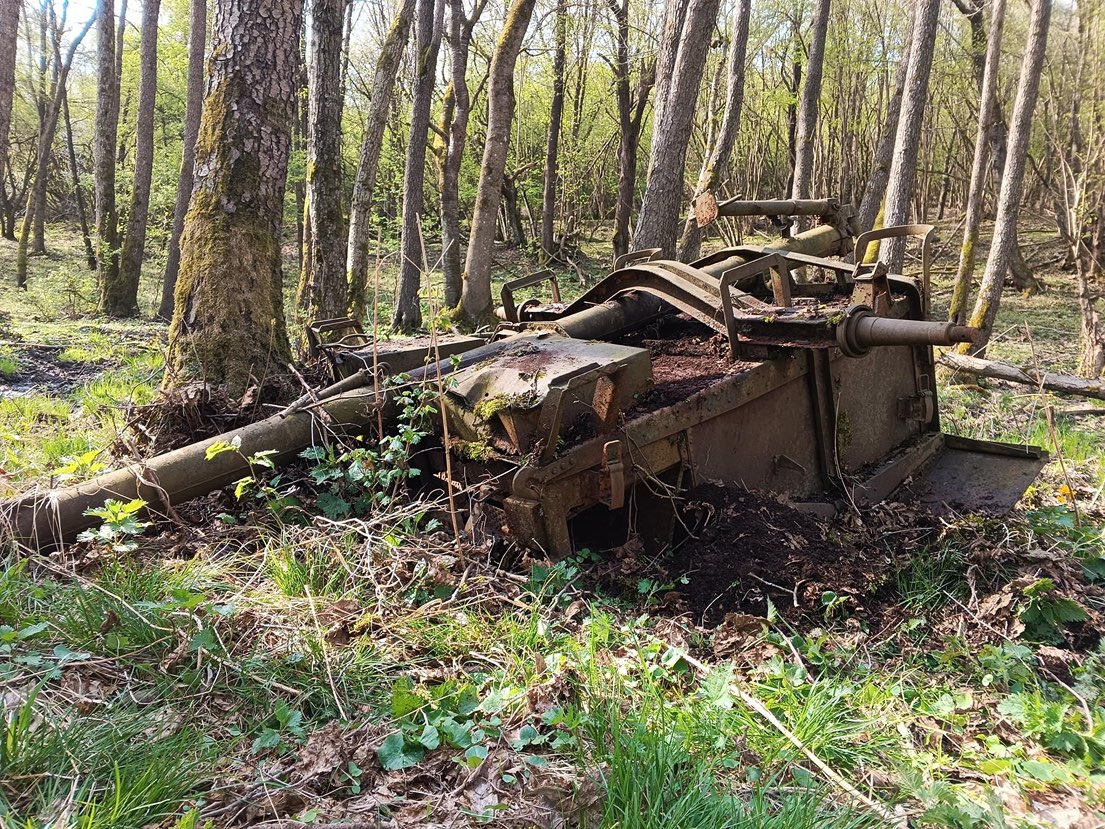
[(1049, 380)]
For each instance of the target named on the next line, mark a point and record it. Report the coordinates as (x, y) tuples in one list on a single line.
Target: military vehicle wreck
[(782, 368)]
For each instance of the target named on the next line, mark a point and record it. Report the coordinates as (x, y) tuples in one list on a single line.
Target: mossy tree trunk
[(475, 299), (360, 209), (193, 108), (228, 325), (103, 153), (9, 38), (715, 167), (429, 19), (322, 290), (657, 224), (1012, 187), (125, 302)]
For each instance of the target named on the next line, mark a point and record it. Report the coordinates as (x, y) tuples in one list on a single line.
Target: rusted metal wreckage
[(776, 368)]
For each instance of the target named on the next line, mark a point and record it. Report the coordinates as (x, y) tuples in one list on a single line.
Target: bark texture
[(631, 111), (193, 109), (875, 188), (806, 127), (552, 145), (428, 20), (716, 165), (475, 301), (9, 37), (360, 211), (322, 291), (1012, 187), (658, 222), (907, 143), (103, 150), (228, 325), (456, 110), (987, 108), (123, 300)]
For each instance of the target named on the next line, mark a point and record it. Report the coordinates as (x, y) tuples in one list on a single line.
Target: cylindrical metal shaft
[(46, 519), (861, 330), (778, 207)]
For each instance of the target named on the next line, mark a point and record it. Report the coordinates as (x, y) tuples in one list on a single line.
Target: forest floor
[(240, 670)]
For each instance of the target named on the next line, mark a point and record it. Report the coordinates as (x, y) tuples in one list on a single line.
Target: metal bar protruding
[(778, 207), (927, 234), (510, 311), (770, 262)]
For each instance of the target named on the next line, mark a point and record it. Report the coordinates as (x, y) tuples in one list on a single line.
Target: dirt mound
[(742, 549)]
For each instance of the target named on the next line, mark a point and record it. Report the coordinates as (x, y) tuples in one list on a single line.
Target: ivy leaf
[(475, 755), (394, 754)]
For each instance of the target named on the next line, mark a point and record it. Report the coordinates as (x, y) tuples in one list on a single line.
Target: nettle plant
[(354, 481), (120, 527)]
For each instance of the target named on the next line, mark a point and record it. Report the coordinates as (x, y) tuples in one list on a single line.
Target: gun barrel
[(861, 330)]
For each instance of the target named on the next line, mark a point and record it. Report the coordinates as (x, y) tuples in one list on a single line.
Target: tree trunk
[(658, 222), (1005, 223), (9, 38), (907, 142), (716, 164), (123, 302), (806, 133), (631, 110), (45, 142), (675, 16), (475, 300), (78, 190), (228, 324), (103, 151), (454, 128), (360, 210), (38, 216), (193, 108), (552, 147), (875, 189), (428, 22), (976, 193), (323, 292)]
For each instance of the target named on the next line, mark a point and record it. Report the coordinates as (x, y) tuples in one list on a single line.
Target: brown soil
[(743, 549), (687, 357)]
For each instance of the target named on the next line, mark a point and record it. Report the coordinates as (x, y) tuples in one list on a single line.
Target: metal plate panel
[(976, 476)]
